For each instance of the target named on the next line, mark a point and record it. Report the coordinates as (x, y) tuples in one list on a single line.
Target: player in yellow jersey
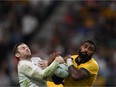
[(83, 68), (51, 84)]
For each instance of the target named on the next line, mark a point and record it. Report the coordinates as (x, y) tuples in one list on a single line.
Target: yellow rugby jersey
[(91, 66), (51, 84)]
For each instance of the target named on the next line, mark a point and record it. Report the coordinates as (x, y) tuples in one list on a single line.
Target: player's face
[(86, 50), (24, 51)]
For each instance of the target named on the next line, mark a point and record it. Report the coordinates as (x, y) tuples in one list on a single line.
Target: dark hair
[(14, 51), (91, 42)]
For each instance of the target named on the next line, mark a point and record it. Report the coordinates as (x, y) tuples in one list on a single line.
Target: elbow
[(45, 77), (46, 74)]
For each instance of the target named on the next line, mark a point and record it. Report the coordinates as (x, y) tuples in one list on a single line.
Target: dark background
[(48, 26)]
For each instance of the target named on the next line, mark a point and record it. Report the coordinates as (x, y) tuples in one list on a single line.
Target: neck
[(78, 60), (28, 59), (84, 60)]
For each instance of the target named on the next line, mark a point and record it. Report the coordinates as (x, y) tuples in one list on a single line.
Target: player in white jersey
[(30, 75)]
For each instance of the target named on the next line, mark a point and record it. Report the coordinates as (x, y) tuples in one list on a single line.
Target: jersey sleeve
[(35, 72), (50, 69)]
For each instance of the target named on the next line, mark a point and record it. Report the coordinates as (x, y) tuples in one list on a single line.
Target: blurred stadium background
[(49, 25)]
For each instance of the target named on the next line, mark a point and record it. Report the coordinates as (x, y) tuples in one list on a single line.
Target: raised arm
[(34, 72)]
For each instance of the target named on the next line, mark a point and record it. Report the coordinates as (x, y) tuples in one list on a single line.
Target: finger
[(58, 53), (40, 63)]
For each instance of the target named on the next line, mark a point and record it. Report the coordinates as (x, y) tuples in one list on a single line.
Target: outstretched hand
[(53, 56)]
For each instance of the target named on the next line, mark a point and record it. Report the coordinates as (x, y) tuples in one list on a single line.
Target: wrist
[(69, 62), (54, 62)]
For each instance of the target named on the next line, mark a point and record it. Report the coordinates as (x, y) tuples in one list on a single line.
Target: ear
[(17, 55)]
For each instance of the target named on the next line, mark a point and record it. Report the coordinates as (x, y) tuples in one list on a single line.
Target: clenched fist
[(59, 59), (52, 57)]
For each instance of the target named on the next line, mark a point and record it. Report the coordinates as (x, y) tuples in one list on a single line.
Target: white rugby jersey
[(30, 75)]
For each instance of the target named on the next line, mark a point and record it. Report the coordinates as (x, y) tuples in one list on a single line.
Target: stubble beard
[(27, 56), (84, 57)]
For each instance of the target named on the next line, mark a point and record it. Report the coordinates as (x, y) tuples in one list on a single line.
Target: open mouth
[(84, 53)]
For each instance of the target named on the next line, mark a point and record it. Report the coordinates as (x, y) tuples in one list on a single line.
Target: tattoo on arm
[(78, 74)]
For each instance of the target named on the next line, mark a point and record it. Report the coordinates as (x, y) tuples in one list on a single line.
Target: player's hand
[(52, 57), (43, 64), (67, 57), (59, 59)]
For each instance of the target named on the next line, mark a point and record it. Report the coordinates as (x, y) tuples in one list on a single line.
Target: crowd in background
[(85, 20), (19, 21)]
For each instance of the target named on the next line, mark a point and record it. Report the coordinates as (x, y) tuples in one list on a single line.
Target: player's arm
[(37, 73), (52, 57), (77, 74), (57, 80)]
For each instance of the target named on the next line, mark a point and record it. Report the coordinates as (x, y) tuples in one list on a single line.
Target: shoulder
[(25, 66), (93, 63), (91, 66), (24, 63), (74, 56)]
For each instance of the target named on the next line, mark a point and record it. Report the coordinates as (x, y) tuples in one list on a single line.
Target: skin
[(23, 52), (87, 48)]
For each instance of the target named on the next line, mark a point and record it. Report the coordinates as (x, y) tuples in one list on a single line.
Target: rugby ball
[(62, 71)]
